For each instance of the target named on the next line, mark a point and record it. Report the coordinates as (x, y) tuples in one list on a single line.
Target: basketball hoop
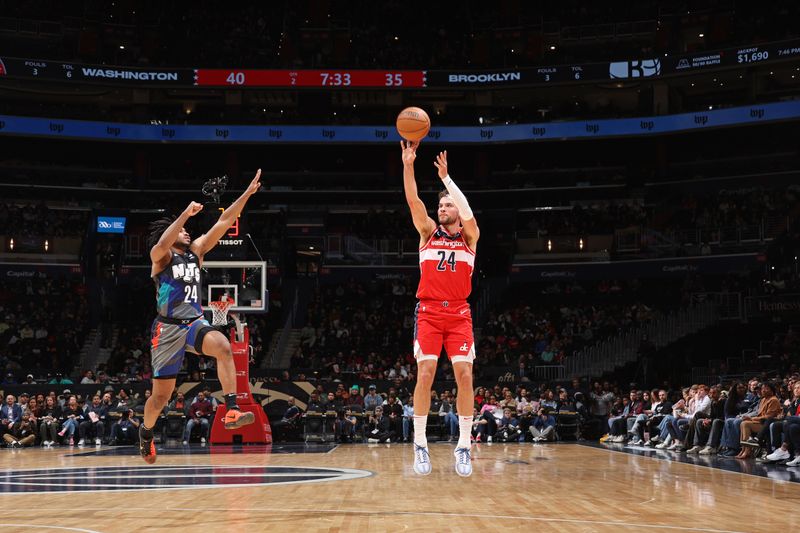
[(220, 312)]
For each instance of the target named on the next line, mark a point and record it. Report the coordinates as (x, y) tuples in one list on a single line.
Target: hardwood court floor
[(369, 488)]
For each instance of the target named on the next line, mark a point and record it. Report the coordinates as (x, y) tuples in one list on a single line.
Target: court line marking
[(64, 528), (671, 461), (337, 474), (284, 510), (32, 478)]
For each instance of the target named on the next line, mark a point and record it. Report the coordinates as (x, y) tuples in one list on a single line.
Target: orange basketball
[(413, 123)]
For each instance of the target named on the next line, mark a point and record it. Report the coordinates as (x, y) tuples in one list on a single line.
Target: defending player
[(180, 325), (443, 317)]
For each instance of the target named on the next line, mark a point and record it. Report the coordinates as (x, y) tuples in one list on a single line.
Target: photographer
[(508, 427), (543, 427), (525, 419), (126, 431), (344, 427), (379, 429)]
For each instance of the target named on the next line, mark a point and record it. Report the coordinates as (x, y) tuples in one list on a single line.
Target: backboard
[(245, 282)]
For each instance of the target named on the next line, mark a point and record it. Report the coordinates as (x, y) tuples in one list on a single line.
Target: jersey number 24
[(444, 258), (191, 294)]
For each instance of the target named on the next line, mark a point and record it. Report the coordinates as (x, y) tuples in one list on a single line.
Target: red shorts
[(447, 324)]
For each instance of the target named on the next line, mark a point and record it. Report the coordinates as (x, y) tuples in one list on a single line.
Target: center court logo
[(121, 478)]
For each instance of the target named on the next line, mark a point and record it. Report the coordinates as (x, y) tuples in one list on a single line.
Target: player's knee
[(425, 375), (160, 398), (463, 376)]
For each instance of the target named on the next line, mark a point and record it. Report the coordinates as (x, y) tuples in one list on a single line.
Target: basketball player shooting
[(443, 317), (180, 326)]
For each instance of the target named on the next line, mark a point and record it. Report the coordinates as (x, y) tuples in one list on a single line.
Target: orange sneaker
[(236, 419), (147, 448)]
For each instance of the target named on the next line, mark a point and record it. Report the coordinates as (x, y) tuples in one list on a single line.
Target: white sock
[(420, 423), (465, 431)]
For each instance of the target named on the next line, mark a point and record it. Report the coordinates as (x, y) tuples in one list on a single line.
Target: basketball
[(413, 123)]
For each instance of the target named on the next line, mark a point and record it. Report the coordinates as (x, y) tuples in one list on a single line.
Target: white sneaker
[(422, 460), (489, 439), (665, 444), (779, 455), (97, 442), (637, 442), (373, 441), (708, 450), (622, 438), (675, 446), (81, 442), (795, 461), (694, 449), (202, 440), (463, 462)]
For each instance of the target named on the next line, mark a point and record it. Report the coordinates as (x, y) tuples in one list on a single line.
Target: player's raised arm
[(424, 224), (203, 244), (469, 225), (161, 249)]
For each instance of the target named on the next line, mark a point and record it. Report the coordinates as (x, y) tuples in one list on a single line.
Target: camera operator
[(344, 427), (525, 419), (126, 431)]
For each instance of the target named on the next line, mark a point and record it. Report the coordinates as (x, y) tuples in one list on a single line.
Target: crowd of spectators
[(757, 419), (544, 325), (365, 35), (37, 219), (361, 329), (722, 209), (43, 322), (109, 416)]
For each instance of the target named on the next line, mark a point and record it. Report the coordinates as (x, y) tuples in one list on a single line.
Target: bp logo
[(124, 478)]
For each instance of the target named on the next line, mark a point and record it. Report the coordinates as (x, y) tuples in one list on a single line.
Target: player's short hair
[(444, 193), (157, 228)]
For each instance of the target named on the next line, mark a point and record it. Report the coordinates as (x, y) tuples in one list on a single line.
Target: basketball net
[(220, 311)]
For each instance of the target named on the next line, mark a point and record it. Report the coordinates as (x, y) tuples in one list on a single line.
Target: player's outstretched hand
[(441, 164), (409, 151), (255, 184), (194, 208)]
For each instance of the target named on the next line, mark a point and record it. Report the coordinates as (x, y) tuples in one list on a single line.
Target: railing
[(549, 373), (622, 349), (634, 239), (729, 304), (283, 340)]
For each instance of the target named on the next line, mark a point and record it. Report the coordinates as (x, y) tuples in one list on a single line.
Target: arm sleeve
[(464, 210)]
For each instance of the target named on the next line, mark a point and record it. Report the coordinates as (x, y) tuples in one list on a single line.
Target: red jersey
[(445, 265)]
